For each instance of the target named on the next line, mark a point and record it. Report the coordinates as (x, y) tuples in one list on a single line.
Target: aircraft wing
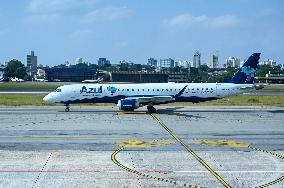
[(153, 99)]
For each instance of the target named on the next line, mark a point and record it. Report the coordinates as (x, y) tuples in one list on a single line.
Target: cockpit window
[(58, 90)]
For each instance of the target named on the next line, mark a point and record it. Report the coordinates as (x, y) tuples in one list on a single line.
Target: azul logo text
[(91, 90)]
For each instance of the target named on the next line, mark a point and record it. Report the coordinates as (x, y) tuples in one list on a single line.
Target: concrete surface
[(47, 147)]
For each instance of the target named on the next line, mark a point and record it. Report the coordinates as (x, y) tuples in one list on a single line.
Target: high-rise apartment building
[(167, 63), (196, 59), (152, 62), (213, 61), (103, 62), (233, 62), (32, 64)]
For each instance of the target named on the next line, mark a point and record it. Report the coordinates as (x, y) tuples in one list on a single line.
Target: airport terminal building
[(70, 74)]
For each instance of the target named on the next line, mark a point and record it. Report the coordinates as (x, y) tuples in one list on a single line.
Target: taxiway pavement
[(177, 147)]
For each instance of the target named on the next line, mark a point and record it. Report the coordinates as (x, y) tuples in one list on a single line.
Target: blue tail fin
[(246, 73)]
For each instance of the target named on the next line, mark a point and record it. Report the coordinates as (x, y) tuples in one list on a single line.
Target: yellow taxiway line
[(173, 182), (200, 160)]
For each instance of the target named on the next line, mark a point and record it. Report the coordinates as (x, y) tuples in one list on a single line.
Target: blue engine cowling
[(128, 104)]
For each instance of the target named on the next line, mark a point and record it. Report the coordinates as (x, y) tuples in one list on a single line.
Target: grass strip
[(28, 86), (36, 100)]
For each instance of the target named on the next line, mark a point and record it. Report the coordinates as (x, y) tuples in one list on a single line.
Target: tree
[(80, 66), (124, 67), (15, 69), (21, 72)]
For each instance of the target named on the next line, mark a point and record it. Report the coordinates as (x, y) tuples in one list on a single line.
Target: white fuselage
[(187, 92)]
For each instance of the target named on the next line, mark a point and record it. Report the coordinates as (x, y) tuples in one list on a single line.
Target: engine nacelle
[(128, 104)]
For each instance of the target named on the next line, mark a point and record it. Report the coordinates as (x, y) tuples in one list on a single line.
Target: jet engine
[(128, 104)]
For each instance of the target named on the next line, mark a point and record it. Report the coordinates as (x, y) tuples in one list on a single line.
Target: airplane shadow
[(172, 112), (276, 111), (168, 111)]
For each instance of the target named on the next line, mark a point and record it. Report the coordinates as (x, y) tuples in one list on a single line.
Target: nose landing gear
[(67, 108), (151, 109)]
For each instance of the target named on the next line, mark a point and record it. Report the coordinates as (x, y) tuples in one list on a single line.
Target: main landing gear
[(151, 109), (67, 108)]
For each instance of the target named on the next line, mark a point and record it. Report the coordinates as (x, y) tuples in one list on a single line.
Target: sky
[(134, 30)]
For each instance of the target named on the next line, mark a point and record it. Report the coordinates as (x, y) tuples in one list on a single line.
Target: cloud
[(108, 14), (43, 18), (49, 11), (52, 6), (85, 33), (225, 21), (121, 44), (186, 21)]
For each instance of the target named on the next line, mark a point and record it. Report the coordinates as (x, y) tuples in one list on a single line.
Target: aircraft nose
[(46, 98)]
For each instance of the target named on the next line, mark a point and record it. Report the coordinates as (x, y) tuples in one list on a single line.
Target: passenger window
[(132, 89), (137, 89), (142, 89), (170, 89), (206, 88), (157, 89), (167, 90), (122, 89), (127, 89)]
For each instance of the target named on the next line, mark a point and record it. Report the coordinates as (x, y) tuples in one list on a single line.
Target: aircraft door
[(221, 90)]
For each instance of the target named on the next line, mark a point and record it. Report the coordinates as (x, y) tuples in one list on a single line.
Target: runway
[(177, 147)]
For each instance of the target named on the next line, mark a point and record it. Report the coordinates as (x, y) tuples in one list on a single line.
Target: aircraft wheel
[(67, 109)]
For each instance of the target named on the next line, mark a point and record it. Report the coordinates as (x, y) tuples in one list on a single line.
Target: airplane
[(17, 79), (41, 80), (129, 97), (93, 81)]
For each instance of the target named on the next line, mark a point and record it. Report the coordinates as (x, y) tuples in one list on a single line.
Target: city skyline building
[(269, 62), (67, 64), (103, 62), (167, 63), (40, 73), (213, 61), (152, 62), (32, 64), (196, 59), (78, 60), (233, 62)]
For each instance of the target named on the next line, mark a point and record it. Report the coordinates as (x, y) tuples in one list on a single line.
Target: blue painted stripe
[(115, 99)]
